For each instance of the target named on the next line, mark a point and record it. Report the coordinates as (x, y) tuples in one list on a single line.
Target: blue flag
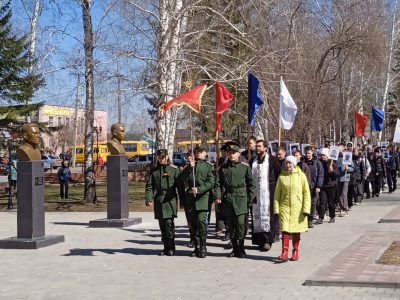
[(377, 119), (255, 100)]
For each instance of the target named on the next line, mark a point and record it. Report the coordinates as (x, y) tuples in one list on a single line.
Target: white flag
[(287, 108), (396, 138)]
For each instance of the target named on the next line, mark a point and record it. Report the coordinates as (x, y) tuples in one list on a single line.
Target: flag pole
[(279, 136), (191, 146), (248, 144), (216, 149)]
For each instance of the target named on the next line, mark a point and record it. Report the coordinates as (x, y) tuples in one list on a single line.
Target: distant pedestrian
[(13, 175), (64, 177)]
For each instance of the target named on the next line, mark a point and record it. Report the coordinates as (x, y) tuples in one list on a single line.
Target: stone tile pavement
[(97, 263)]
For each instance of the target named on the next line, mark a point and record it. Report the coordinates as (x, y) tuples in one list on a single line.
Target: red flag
[(361, 123), (191, 98), (224, 98)]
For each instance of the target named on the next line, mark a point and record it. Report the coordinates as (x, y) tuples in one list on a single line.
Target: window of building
[(60, 122), (67, 121), (51, 120)]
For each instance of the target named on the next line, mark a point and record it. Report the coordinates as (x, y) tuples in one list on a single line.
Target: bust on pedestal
[(117, 184), (30, 196)]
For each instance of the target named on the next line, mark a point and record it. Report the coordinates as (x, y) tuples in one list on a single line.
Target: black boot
[(242, 253), (164, 251), (196, 248), (170, 247), (203, 249), (235, 251)]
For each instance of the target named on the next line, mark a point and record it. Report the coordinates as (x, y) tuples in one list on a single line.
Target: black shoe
[(310, 224), (377, 195), (235, 251), (242, 252), (228, 246), (190, 244), (203, 249), (319, 221), (266, 247), (332, 220)]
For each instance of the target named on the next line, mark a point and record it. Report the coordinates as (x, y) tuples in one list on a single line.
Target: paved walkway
[(97, 263)]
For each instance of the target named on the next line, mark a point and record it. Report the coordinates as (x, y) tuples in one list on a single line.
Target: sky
[(59, 45)]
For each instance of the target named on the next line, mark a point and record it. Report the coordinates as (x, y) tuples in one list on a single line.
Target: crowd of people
[(274, 196)]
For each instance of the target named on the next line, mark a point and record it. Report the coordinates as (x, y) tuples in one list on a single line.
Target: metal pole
[(119, 97), (9, 204), (76, 121), (191, 144)]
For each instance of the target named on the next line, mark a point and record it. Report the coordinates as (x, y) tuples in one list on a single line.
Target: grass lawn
[(75, 201)]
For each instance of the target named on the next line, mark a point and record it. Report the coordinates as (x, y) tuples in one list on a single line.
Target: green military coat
[(161, 189), (236, 184), (205, 182)]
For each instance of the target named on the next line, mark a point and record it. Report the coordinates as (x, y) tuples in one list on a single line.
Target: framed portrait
[(347, 158), (385, 155), (334, 152), (383, 145), (293, 147), (273, 147), (303, 148)]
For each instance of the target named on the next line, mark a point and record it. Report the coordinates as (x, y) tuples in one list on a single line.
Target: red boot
[(285, 247), (296, 243)]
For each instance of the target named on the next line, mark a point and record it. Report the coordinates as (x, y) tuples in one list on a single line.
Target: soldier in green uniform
[(197, 191), (161, 188), (235, 183)]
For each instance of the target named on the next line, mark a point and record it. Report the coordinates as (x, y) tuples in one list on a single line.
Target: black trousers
[(327, 197), (377, 184), (391, 180), (366, 188), (64, 190), (314, 204)]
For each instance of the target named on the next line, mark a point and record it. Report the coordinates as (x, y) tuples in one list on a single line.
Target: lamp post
[(152, 131), (11, 150)]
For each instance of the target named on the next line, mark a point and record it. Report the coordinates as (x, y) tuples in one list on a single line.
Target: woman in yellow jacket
[(292, 203)]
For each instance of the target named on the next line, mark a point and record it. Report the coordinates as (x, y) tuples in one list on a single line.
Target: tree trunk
[(90, 179), (170, 78)]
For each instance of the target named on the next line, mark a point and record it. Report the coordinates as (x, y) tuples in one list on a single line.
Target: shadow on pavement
[(133, 251), (71, 223)]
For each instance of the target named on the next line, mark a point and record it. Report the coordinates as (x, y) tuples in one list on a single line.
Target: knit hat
[(291, 159), (325, 152)]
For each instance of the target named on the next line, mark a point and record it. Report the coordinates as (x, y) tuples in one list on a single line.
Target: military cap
[(201, 147), (162, 152), (229, 143), (233, 147), (223, 147)]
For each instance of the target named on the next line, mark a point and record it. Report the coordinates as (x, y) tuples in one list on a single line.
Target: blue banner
[(377, 117), (254, 100)]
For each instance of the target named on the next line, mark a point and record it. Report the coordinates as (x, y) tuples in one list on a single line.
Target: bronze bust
[(118, 134), (28, 150)]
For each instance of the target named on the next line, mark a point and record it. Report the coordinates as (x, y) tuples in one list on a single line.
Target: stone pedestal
[(30, 212), (117, 195)]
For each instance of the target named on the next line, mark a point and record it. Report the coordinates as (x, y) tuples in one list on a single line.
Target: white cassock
[(261, 213)]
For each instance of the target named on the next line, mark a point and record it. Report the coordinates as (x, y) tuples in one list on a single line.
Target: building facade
[(64, 116)]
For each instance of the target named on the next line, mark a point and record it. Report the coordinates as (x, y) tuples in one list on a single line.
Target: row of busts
[(31, 135)]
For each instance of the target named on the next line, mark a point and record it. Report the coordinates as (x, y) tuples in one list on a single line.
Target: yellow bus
[(185, 146), (133, 148), (80, 153)]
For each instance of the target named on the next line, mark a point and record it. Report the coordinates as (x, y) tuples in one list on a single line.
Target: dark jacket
[(330, 178), (316, 173), (64, 174), (377, 167)]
